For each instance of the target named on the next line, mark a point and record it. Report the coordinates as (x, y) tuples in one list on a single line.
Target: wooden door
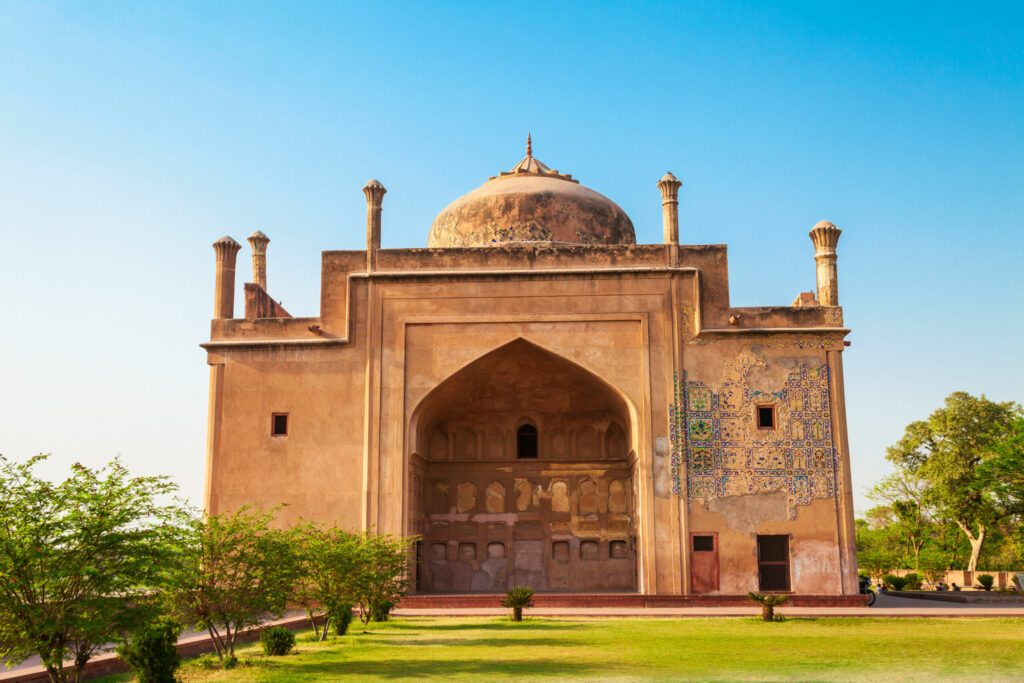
[(703, 562)]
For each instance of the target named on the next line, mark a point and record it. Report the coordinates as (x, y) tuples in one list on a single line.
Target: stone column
[(844, 500), (224, 287), (669, 186), (825, 237), (374, 192), (258, 241)]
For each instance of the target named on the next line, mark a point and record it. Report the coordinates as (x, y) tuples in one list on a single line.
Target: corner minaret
[(258, 241), (374, 192), (669, 186), (226, 250), (825, 236)]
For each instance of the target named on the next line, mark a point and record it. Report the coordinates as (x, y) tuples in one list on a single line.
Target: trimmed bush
[(151, 653), (380, 610), (518, 598), (986, 581), (893, 582), (277, 641), (913, 582), (342, 619)]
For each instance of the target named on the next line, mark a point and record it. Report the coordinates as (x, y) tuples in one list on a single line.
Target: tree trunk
[(767, 613), (215, 638), (517, 614), (229, 639), (312, 621), (976, 541)]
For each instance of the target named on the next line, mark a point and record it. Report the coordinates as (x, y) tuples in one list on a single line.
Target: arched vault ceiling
[(521, 377)]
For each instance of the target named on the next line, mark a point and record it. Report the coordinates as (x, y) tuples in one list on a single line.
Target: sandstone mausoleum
[(543, 401)]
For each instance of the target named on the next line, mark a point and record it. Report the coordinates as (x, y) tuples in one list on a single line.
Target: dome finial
[(529, 146)]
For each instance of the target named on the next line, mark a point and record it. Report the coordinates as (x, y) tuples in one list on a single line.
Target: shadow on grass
[(442, 669), (496, 625), (485, 642)]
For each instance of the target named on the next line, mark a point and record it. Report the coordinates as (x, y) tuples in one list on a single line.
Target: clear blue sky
[(134, 134)]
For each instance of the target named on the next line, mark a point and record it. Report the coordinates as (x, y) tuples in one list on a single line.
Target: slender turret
[(258, 242), (669, 186), (226, 250), (825, 236), (374, 192)]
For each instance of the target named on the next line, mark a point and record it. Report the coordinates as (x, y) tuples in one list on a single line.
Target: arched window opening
[(526, 442)]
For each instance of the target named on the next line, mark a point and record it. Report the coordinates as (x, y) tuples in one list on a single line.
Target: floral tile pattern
[(725, 454)]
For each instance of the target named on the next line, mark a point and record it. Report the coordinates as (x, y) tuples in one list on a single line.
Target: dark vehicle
[(866, 589)]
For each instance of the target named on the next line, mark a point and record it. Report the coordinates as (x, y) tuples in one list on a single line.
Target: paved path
[(885, 606)]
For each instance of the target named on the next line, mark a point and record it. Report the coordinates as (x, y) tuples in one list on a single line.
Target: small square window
[(704, 544), (279, 424), (766, 417)]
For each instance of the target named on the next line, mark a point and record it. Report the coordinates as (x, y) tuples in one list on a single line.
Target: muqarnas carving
[(727, 455)]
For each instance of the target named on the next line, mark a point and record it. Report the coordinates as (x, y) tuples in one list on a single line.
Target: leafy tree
[(380, 580), (79, 559), (237, 572), (875, 552), (904, 494), (934, 565), (330, 561), (1005, 468), (947, 451)]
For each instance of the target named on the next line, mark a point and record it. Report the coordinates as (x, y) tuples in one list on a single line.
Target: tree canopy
[(79, 559), (956, 471)]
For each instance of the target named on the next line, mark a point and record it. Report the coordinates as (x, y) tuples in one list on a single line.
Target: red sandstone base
[(437, 601)]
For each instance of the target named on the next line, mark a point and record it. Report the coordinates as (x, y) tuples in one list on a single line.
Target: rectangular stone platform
[(632, 600)]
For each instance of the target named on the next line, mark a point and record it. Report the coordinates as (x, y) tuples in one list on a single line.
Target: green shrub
[(986, 581), (208, 661), (277, 641), (342, 619), (380, 610), (768, 603), (893, 582), (913, 582), (518, 598), (229, 662), (151, 653)]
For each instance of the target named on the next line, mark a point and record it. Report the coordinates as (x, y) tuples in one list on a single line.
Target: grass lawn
[(622, 649)]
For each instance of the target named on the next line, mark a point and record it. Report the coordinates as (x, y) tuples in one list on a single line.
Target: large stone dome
[(531, 203)]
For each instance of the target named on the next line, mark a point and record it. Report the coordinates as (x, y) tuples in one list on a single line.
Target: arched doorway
[(526, 470)]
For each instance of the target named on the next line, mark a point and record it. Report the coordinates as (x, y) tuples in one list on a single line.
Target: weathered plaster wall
[(741, 481), (647, 327)]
